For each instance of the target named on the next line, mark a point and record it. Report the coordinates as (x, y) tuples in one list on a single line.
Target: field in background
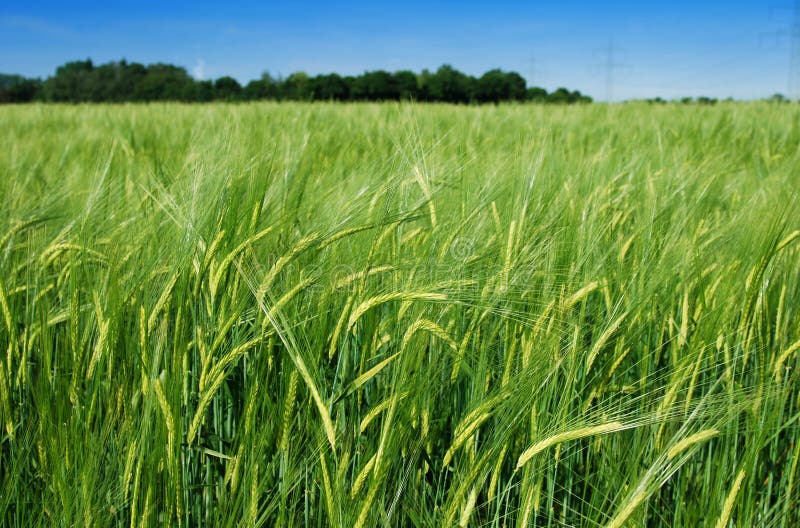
[(358, 315)]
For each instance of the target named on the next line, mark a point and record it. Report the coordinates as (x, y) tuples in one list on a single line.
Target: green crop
[(396, 314)]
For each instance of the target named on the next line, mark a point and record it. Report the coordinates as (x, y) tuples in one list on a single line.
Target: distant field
[(366, 315)]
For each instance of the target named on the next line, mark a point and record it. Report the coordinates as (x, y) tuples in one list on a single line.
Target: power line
[(793, 32), (610, 65)]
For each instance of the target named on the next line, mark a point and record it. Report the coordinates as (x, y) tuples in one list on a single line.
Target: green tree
[(17, 89), (449, 85), (378, 85), (407, 85), (329, 87), (72, 82), (264, 88), (296, 87), (496, 85), (564, 96), (162, 82), (536, 94), (227, 89)]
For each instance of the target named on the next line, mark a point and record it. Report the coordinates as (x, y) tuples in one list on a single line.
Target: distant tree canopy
[(83, 81), (17, 89)]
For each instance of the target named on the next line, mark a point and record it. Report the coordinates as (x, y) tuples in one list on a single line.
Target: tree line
[(122, 81)]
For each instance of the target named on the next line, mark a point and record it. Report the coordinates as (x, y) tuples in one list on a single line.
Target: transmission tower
[(611, 66)]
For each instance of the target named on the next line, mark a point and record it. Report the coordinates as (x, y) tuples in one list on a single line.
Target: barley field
[(402, 315)]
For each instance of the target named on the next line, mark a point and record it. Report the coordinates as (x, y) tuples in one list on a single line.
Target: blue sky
[(668, 49)]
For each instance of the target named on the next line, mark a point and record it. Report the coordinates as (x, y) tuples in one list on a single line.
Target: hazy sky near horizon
[(734, 48)]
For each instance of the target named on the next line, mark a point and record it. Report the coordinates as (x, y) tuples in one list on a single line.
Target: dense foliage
[(82, 81), (399, 315)]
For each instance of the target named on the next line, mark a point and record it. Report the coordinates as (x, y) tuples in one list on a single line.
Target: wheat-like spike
[(349, 279), (490, 493), (216, 275), (44, 291), (448, 243), (788, 240), (462, 349), (234, 354), (385, 430), (252, 511), (211, 249), (128, 469), (16, 228), (162, 300), (779, 315), (619, 520), (205, 399), (566, 436), (666, 402), (778, 369), (339, 325), (288, 404), (429, 326), (727, 508), (222, 331), (371, 373), (281, 263), (142, 332), (683, 333), (601, 341), (289, 295), (252, 398), (217, 375), (377, 300), (689, 441), (18, 289), (465, 483), (624, 249), (135, 498), (485, 406), (6, 310), (377, 410), (468, 507), (426, 190), (509, 251), (206, 356), (99, 347), (579, 295), (463, 436), (233, 471), (4, 401), (362, 476), (297, 359), (496, 218), (323, 410), (342, 234), (388, 230), (362, 516), (52, 253), (326, 481), (693, 381), (168, 420), (407, 237), (528, 507)]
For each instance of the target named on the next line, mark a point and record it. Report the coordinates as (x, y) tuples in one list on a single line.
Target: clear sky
[(669, 49)]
